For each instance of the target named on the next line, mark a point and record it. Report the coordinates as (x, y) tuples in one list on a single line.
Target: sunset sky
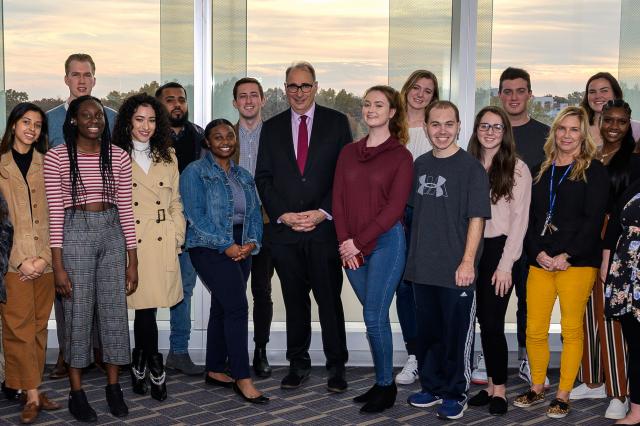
[(346, 40)]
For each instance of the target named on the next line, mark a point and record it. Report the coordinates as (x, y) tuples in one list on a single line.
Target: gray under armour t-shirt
[(447, 193)]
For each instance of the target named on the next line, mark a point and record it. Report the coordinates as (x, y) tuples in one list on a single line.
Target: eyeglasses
[(293, 88), (484, 127)]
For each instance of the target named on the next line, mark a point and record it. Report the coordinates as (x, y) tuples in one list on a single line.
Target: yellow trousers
[(573, 288)]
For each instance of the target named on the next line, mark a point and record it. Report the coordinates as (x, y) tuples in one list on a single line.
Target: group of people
[(122, 210)]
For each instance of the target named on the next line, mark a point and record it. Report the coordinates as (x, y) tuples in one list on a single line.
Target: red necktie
[(303, 144)]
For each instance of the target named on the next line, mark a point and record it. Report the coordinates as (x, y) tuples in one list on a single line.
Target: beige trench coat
[(160, 230)]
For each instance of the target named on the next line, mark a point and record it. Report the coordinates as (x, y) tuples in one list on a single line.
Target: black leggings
[(491, 311), (145, 330), (631, 331)]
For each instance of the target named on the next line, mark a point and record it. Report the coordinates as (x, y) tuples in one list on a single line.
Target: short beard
[(179, 122)]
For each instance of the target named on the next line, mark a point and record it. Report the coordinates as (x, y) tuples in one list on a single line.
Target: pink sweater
[(511, 218), (57, 179)]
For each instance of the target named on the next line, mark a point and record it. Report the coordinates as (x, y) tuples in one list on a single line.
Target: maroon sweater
[(370, 191)]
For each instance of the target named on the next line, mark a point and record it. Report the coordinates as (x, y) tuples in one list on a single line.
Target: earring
[(73, 122)]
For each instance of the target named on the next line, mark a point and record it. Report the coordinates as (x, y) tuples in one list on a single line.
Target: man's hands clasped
[(303, 221)]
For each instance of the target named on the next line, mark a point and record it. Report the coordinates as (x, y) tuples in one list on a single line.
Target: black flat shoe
[(293, 380), (257, 400), (480, 399), (215, 382), (498, 406)]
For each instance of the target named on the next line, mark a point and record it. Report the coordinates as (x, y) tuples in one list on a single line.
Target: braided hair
[(70, 132)]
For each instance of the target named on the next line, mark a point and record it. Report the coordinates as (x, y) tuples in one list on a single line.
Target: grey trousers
[(94, 257)]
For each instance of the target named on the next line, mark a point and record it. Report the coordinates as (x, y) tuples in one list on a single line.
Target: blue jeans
[(406, 307), (180, 314), (405, 302), (375, 284)]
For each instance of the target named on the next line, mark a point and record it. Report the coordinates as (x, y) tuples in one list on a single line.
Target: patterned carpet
[(191, 402)]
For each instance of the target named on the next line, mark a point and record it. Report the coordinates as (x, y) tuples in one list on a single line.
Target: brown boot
[(29, 413), (59, 371), (47, 404)]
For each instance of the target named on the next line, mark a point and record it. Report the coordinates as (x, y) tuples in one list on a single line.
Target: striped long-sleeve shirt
[(57, 177)]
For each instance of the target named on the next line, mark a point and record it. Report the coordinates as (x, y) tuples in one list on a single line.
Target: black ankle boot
[(260, 363), (157, 377), (79, 407), (381, 398), (115, 400), (367, 395), (139, 372)]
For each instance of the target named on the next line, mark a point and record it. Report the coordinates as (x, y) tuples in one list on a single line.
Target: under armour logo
[(429, 187), (463, 294)]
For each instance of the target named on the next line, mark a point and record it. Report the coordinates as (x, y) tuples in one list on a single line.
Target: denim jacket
[(208, 205)]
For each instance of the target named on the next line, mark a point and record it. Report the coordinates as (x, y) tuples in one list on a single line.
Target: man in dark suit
[(297, 157)]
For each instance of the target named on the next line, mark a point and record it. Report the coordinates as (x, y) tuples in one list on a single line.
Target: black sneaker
[(115, 399), (337, 382), (294, 379), (79, 407)]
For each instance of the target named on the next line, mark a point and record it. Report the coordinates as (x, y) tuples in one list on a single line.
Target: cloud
[(559, 46), (123, 37)]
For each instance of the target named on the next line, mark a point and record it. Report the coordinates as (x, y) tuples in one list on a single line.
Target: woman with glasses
[(568, 202), (603, 370), (418, 92), (493, 145)]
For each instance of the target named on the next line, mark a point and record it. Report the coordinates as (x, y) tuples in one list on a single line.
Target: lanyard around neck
[(553, 192)]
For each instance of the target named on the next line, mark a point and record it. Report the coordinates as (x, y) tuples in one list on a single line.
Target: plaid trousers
[(94, 257)]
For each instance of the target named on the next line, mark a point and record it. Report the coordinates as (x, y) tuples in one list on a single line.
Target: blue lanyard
[(553, 193)]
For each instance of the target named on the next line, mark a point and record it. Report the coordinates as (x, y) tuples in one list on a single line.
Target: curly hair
[(398, 123), (160, 142), (587, 147), (503, 165)]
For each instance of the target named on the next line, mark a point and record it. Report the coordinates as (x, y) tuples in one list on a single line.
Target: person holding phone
[(371, 188)]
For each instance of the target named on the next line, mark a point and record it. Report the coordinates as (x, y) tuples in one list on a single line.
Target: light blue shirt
[(55, 120)]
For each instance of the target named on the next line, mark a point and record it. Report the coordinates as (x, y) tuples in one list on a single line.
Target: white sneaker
[(617, 409), (524, 372), (585, 392), (479, 374), (409, 372)]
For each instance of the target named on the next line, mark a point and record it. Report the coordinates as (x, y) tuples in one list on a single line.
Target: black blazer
[(282, 188)]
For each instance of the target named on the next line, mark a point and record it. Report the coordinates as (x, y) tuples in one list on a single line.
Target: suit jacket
[(283, 188)]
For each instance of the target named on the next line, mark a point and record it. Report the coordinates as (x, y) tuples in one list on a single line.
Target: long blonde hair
[(587, 148)]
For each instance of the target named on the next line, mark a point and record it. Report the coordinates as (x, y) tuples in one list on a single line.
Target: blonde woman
[(418, 92), (568, 202)]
